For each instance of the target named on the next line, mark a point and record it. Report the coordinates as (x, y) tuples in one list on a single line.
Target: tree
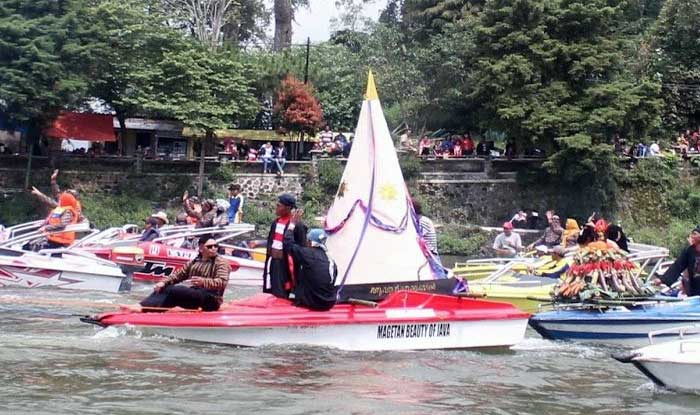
[(124, 38), (675, 38), (206, 91), (41, 63), (549, 71), (284, 15), (297, 108), (246, 23), (204, 18), (351, 17)]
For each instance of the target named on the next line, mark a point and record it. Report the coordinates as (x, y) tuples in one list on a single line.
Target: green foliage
[(20, 208), (226, 172), (410, 166), (672, 235), (106, 210), (40, 60), (261, 214), (548, 70), (462, 241), (330, 172), (204, 90), (123, 41), (675, 40)]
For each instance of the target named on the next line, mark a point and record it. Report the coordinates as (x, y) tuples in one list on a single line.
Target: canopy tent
[(373, 229), (82, 126)]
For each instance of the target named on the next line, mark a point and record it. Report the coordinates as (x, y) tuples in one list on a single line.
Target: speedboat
[(404, 320), (70, 270), (511, 280), (154, 260), (61, 268), (624, 323), (672, 364)]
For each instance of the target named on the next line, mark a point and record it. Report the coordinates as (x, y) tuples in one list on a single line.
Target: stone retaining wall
[(254, 186)]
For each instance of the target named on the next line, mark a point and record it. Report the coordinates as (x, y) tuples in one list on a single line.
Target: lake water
[(51, 363)]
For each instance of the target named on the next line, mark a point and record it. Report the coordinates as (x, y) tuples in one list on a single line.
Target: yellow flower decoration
[(388, 192)]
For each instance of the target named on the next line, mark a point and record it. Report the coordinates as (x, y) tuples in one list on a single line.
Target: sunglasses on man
[(211, 246)]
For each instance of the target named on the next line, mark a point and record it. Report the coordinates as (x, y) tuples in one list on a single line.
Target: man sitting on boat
[(507, 243), (207, 276), (552, 234), (279, 266), (687, 266), (315, 280), (153, 224)]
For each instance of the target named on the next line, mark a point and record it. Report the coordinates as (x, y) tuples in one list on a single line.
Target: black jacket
[(299, 237), (316, 273), (685, 262)]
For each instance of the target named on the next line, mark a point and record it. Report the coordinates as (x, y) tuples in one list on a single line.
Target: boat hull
[(623, 327), (672, 364), (24, 277), (405, 320), (362, 337), (672, 375)]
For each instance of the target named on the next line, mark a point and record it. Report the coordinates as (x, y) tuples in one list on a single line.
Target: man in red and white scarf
[(278, 276)]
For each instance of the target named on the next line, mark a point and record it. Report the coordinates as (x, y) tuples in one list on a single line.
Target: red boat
[(405, 320), (153, 261)]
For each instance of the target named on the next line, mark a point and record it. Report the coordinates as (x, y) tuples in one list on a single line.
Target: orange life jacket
[(63, 238)]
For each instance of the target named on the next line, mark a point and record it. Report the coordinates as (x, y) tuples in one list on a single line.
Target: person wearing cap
[(507, 243), (162, 218), (686, 266), (206, 277), (150, 231), (235, 200), (278, 274), (315, 280)]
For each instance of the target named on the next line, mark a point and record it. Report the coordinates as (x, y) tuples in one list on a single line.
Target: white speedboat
[(59, 269), (671, 364)]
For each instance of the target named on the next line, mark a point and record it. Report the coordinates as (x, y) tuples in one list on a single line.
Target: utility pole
[(306, 67)]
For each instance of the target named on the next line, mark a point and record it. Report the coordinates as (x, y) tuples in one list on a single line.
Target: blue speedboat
[(627, 325)]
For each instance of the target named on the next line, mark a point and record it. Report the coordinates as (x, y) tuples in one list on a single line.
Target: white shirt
[(654, 149), (512, 243)]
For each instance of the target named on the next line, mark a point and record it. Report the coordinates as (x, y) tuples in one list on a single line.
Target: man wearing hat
[(315, 280), (153, 223), (278, 275), (508, 243)]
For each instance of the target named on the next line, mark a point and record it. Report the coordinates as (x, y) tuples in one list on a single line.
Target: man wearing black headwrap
[(278, 275)]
